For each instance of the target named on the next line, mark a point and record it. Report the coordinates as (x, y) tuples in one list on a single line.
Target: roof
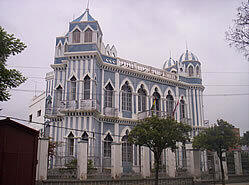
[(168, 63), (84, 17), (188, 56), (20, 126)]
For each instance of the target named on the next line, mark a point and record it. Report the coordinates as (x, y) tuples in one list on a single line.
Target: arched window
[(88, 35), (107, 145), (169, 104), (70, 143), (76, 36), (73, 88), (190, 71), (59, 50), (58, 96), (109, 95), (66, 48), (197, 71), (156, 100), (142, 99), (126, 97), (86, 87), (84, 136), (127, 152), (182, 109)]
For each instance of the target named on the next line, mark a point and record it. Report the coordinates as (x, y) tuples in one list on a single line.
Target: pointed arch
[(153, 90), (169, 104), (70, 144), (88, 34), (85, 136), (182, 108), (72, 92), (109, 95), (126, 91), (87, 87), (76, 35), (127, 149), (142, 99), (197, 69), (130, 84), (190, 70), (107, 145), (66, 47)]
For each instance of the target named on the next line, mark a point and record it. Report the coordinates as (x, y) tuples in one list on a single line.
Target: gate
[(230, 163), (245, 162)]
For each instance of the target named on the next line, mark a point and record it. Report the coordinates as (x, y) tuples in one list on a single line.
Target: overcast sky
[(143, 31)]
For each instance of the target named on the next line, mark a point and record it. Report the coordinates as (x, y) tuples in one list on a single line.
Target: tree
[(219, 138), (238, 34), (158, 134), (9, 78), (245, 139)]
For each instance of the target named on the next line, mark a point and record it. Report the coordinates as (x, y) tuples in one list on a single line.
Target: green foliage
[(52, 146), (245, 139), (72, 163), (157, 134), (219, 138), (9, 78), (90, 167)]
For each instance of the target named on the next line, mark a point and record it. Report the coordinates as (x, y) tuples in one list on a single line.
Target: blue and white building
[(94, 95)]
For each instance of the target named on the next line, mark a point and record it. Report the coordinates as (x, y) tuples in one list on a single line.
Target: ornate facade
[(94, 95)]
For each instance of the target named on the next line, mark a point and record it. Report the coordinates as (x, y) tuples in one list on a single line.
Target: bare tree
[(238, 34)]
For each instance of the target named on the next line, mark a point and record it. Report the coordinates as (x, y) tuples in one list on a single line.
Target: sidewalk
[(241, 183)]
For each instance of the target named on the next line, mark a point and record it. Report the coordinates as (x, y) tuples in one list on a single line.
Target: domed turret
[(188, 56), (168, 63)]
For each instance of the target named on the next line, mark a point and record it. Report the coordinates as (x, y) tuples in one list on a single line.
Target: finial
[(186, 45), (169, 53), (87, 8)]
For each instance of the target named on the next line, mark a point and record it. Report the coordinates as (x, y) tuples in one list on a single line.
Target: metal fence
[(162, 181)]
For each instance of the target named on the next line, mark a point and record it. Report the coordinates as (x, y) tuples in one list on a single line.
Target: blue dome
[(168, 63), (188, 56)]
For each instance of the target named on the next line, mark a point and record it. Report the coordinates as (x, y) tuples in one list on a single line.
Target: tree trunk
[(157, 169), (222, 169)]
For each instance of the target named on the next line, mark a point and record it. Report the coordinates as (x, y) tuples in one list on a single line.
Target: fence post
[(145, 162), (190, 159), (238, 163), (171, 163), (42, 157), (224, 163), (116, 160), (82, 159)]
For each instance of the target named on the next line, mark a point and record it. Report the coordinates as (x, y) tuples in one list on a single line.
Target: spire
[(169, 53), (85, 16), (186, 45), (87, 7)]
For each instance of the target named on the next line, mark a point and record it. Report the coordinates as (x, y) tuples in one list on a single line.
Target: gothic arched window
[(58, 95), (127, 152), (73, 88), (182, 109), (84, 136), (76, 36), (88, 35), (156, 100), (169, 104), (86, 87), (142, 99), (197, 71), (190, 71), (126, 97), (66, 48), (109, 95), (107, 145), (70, 143), (59, 50)]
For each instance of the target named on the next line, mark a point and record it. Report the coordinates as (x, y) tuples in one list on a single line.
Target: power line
[(42, 67), (232, 94)]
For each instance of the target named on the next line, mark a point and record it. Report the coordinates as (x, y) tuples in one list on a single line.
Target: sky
[(145, 31)]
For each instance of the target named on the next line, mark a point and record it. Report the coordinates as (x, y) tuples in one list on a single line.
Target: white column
[(42, 158), (190, 159), (102, 92), (116, 98), (145, 162), (237, 162), (82, 160), (198, 107), (116, 160), (177, 108), (194, 102), (224, 163), (171, 163)]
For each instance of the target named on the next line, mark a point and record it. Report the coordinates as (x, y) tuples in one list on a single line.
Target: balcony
[(110, 112), (89, 105)]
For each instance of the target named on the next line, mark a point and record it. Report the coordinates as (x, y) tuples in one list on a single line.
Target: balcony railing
[(149, 113), (111, 112), (89, 105)]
